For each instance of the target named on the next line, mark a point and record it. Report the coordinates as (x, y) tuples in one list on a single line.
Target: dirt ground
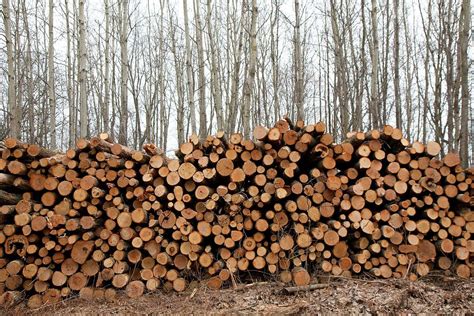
[(367, 296)]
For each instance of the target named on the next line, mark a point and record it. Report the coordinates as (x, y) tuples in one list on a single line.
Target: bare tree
[(274, 55), (123, 135), (357, 64), (298, 61), (29, 76), (426, 66), (82, 72), (106, 110), (215, 70), (249, 81), (464, 28), (396, 65), (340, 86), (238, 37), (201, 72), (179, 75), (13, 111), (189, 69), (51, 91), (374, 98)]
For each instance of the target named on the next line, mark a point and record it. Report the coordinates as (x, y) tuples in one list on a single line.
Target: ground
[(431, 295)]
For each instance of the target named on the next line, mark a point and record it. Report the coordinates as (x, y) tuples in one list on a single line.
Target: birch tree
[(189, 69), (298, 92), (396, 65), (13, 112), (82, 71), (123, 130), (249, 81), (201, 72), (374, 54), (464, 28), (51, 90)]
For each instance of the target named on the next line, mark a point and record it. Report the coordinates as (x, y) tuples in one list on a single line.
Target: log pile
[(102, 217)]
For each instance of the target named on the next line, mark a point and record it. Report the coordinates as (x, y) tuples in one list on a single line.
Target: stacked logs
[(103, 217), (407, 212)]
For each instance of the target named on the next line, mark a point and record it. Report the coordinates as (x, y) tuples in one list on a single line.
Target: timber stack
[(102, 217)]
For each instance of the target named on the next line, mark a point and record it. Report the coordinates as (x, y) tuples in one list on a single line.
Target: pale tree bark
[(235, 76), (464, 29), (426, 67), (51, 90), (275, 57), (19, 70), (438, 64), (350, 65), (384, 61), (363, 72), (201, 74), (179, 74), (327, 89), (69, 80), (451, 93), (82, 72), (106, 110), (164, 113), (340, 85), (374, 98), (215, 78), (249, 81), (298, 89), (13, 115), (409, 74), (123, 133), (30, 81), (396, 65), (189, 69), (114, 97), (135, 82), (456, 87)]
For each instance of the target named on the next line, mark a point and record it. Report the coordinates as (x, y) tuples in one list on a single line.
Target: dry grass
[(431, 295)]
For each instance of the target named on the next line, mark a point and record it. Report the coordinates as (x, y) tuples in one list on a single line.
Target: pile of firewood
[(102, 217)]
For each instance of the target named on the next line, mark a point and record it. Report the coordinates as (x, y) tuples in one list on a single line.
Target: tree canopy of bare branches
[(158, 71)]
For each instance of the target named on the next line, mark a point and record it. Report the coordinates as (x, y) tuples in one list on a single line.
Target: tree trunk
[(106, 111), (69, 79), (215, 69), (298, 90), (275, 58), (30, 81), (464, 29), (189, 69), (51, 90), (426, 62), (340, 89), (249, 82), (178, 66), (201, 74), (13, 118), (123, 135), (396, 65), (235, 76), (82, 71), (374, 99)]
